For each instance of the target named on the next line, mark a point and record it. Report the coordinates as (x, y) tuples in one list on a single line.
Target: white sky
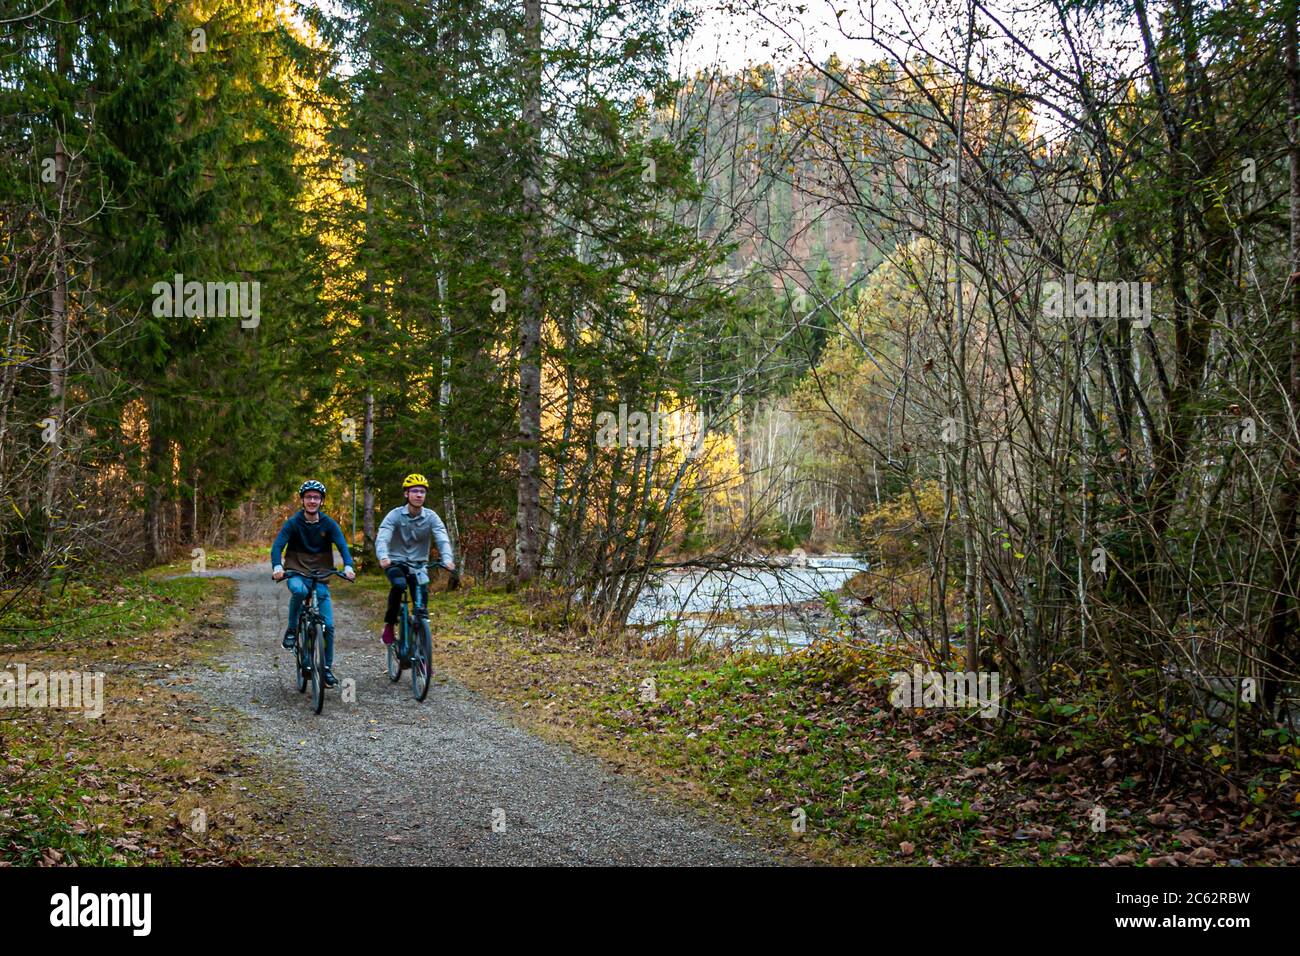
[(734, 33), (735, 38)]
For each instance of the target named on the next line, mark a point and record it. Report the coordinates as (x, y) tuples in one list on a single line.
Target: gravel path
[(412, 783)]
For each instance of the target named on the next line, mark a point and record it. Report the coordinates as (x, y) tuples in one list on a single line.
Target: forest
[(999, 307)]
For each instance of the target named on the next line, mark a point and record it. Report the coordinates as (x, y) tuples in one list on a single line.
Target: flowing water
[(771, 607)]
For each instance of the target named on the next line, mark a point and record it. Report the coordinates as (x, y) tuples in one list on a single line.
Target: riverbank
[(811, 741)]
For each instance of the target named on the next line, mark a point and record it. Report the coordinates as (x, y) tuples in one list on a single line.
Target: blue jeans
[(298, 588)]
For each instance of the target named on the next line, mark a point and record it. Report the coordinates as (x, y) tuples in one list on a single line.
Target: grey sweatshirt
[(407, 539)]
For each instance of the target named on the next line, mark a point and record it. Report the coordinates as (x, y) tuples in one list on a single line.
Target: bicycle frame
[(309, 608), (307, 655), (413, 646), (410, 595)]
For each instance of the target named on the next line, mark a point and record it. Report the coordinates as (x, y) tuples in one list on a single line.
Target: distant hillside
[(757, 194)]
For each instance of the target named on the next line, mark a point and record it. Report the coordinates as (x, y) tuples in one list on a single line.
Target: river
[(771, 608)]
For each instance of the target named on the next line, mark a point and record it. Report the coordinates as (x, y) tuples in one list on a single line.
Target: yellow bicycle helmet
[(413, 479)]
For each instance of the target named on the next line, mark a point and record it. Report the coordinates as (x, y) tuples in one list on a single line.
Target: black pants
[(398, 578)]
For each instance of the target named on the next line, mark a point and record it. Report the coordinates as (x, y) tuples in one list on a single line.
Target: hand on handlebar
[(277, 575)]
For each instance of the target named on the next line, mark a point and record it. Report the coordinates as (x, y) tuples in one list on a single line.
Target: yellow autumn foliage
[(894, 534)]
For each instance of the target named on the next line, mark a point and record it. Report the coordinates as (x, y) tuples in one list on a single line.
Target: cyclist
[(405, 536), (306, 539)]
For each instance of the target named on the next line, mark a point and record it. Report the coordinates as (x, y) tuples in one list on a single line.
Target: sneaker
[(388, 633), (288, 641), (330, 679)]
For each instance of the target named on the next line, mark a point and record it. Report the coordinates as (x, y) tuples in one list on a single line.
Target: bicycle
[(413, 643), (309, 639)]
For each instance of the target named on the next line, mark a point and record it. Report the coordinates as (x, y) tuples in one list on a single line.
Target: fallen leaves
[(816, 730)]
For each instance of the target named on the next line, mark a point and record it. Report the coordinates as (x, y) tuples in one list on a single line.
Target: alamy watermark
[(973, 690), (72, 690), (1087, 299), (75, 908), (208, 300), (637, 429)]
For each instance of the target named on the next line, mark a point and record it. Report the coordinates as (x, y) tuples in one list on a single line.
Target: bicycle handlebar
[(315, 575), (412, 568)]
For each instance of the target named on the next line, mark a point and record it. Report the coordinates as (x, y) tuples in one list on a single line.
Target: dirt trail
[(411, 783)]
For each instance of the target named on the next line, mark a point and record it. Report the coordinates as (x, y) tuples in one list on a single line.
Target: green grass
[(777, 737), (43, 819), (120, 789), (77, 613), (59, 768), (217, 559)]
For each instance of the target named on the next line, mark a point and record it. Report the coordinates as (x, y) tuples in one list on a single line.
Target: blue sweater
[(306, 545)]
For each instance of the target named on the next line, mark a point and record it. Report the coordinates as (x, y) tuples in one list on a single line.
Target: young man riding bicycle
[(307, 540), (404, 537)]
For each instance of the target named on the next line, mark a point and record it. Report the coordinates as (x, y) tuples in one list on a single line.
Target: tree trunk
[(367, 472), (153, 486), (970, 630), (58, 316), (557, 498), (1282, 621), (528, 514), (368, 438)]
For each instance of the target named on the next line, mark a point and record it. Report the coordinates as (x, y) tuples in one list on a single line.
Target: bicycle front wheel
[(395, 648), (317, 668), (421, 657), (300, 660)]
